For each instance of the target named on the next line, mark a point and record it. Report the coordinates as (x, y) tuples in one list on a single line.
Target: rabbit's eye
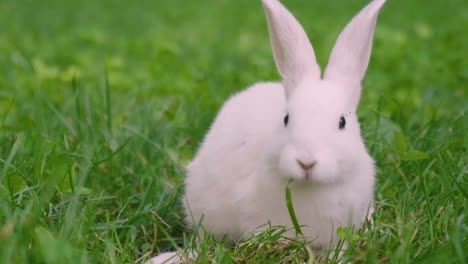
[(342, 123), (286, 120)]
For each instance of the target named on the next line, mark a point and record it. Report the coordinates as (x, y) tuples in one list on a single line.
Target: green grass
[(102, 103)]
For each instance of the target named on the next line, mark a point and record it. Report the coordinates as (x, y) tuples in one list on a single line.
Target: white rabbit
[(304, 129)]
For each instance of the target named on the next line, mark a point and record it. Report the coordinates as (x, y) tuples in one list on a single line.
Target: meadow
[(103, 103)]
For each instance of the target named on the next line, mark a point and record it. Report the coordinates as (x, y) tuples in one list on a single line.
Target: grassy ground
[(103, 102)]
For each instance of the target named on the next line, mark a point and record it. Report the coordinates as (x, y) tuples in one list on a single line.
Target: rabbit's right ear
[(294, 55), (350, 56)]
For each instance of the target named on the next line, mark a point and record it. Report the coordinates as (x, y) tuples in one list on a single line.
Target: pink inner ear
[(294, 55), (350, 55)]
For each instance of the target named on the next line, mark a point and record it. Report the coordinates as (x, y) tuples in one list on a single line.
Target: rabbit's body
[(304, 128), (234, 184), (237, 152)]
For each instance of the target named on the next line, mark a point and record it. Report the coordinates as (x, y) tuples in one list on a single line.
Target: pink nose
[(306, 165)]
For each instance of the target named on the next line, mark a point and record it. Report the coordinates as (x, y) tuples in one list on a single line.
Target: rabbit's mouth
[(304, 177), (307, 175), (318, 175), (310, 176)]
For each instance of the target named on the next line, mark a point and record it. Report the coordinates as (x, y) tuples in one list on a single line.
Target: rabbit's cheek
[(325, 171), (287, 164)]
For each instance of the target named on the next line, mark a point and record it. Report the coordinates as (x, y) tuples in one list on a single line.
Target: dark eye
[(342, 122), (286, 120)]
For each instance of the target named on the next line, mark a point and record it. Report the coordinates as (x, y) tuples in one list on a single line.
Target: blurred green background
[(102, 103)]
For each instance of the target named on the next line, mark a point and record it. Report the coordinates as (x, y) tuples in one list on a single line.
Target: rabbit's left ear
[(351, 53), (294, 55)]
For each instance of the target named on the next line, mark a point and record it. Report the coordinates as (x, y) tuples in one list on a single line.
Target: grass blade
[(290, 206)]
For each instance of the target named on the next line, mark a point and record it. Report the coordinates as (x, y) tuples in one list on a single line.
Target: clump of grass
[(271, 246)]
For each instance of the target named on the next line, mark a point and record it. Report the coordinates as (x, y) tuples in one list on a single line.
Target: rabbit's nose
[(306, 165)]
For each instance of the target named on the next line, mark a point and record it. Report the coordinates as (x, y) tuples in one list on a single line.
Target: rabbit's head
[(321, 139)]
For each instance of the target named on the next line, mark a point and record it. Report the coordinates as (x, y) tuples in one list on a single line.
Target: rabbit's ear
[(350, 56), (294, 55)]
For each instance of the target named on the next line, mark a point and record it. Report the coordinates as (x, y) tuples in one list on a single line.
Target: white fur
[(237, 180), (165, 258)]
